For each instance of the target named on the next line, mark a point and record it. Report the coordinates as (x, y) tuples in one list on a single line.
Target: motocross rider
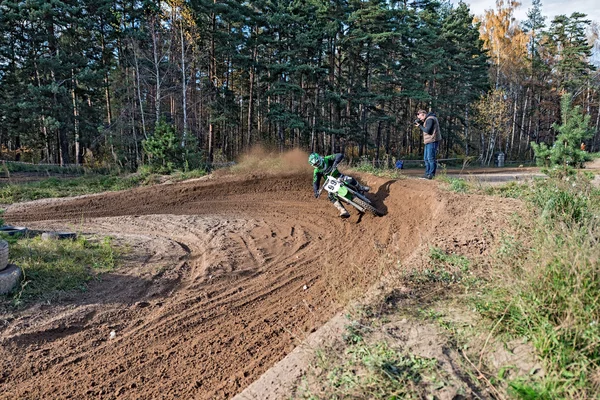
[(326, 166)]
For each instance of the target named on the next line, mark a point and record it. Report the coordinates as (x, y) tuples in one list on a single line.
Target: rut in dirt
[(252, 265)]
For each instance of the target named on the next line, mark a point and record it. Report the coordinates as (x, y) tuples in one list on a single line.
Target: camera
[(417, 122)]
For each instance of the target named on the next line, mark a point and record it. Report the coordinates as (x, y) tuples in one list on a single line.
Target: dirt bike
[(346, 193)]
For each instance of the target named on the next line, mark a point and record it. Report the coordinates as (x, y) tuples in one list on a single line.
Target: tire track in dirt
[(231, 300)]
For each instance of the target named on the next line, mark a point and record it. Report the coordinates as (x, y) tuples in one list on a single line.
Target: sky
[(550, 8)]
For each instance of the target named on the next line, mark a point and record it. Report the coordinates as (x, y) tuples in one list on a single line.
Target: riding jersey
[(327, 170)]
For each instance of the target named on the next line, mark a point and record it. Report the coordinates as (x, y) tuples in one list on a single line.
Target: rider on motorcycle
[(326, 166)]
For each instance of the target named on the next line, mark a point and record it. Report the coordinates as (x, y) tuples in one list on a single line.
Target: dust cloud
[(262, 160)]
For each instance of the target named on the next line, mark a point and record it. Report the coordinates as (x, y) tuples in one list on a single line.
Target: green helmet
[(315, 160)]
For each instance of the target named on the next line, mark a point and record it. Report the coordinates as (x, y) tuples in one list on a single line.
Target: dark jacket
[(431, 129)]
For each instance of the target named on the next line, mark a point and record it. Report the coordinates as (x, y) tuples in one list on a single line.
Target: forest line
[(117, 82)]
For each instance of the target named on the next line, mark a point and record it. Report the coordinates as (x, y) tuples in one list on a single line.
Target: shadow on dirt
[(382, 193), (377, 199)]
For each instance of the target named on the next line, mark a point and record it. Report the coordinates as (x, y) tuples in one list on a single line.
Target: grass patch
[(444, 268), (53, 267), (372, 370), (391, 173), (457, 185), (55, 187), (384, 355), (511, 190), (547, 286), (89, 184)]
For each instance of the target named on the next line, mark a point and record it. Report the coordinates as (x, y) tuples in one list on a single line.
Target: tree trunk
[(514, 128), (597, 125), (524, 112), (378, 142), (251, 97), (75, 118), (106, 77), (157, 60), (213, 77), (183, 87), (467, 132), (138, 89), (314, 121)]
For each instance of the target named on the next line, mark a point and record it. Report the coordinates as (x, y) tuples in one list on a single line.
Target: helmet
[(315, 160)]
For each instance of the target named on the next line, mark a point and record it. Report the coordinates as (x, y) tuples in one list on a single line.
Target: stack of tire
[(10, 274)]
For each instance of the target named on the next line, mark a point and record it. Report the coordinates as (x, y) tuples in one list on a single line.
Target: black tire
[(3, 254), (59, 235), (13, 230), (9, 278), (368, 207)]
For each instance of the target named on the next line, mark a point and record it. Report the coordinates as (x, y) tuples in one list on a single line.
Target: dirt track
[(218, 295)]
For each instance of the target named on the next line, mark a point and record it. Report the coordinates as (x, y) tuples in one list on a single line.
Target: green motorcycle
[(340, 190)]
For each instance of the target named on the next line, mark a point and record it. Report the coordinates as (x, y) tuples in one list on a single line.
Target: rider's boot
[(341, 209), (355, 184)]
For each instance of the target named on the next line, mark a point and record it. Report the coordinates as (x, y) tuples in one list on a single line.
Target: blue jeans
[(431, 150)]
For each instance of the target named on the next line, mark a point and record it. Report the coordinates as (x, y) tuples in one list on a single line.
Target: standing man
[(430, 126)]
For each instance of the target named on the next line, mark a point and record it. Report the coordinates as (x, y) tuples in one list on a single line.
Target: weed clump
[(374, 370), (549, 290)]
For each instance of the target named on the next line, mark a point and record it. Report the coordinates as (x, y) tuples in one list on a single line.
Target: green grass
[(457, 185), (53, 267), (444, 268), (547, 286), (55, 187), (373, 370), (544, 285), (380, 172), (512, 190)]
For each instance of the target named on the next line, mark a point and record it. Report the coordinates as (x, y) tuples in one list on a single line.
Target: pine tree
[(465, 61), (565, 154), (567, 43)]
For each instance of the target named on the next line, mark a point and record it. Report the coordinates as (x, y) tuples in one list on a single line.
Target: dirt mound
[(227, 275)]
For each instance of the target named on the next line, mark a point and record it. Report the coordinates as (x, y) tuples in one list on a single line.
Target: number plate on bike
[(332, 185)]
